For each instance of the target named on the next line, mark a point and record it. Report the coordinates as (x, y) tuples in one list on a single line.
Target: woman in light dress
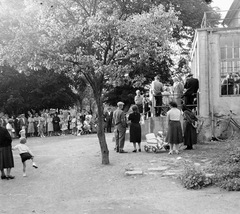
[(73, 125), (41, 125), (30, 125), (50, 124)]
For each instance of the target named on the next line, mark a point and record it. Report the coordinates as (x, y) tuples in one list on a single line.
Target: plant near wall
[(227, 169), (193, 177)]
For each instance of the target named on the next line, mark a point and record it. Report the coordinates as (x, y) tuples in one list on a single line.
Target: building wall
[(206, 55)]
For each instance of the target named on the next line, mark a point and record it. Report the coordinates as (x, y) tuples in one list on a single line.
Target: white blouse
[(174, 114)]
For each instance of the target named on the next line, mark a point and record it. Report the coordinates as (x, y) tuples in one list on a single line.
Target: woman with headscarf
[(189, 127)]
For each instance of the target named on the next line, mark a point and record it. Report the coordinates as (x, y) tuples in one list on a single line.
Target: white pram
[(154, 143)]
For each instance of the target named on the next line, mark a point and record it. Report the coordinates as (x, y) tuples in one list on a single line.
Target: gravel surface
[(71, 180)]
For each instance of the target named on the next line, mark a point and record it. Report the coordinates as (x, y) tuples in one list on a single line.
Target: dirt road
[(71, 180)]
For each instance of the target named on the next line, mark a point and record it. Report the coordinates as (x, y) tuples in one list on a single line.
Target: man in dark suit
[(108, 116), (191, 87)]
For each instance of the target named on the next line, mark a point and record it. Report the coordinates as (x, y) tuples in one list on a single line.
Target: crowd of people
[(157, 99), (49, 123), (176, 102)]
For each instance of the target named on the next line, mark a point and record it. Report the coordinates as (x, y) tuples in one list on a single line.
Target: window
[(230, 64)]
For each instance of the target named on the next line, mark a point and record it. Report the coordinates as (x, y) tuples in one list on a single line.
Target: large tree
[(88, 38)]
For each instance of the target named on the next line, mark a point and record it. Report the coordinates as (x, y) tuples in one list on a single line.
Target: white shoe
[(24, 175), (34, 165)]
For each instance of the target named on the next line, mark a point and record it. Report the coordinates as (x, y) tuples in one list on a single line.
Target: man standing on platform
[(119, 120), (191, 87), (157, 89)]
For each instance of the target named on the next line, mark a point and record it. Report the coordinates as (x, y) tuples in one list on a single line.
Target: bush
[(224, 171), (193, 177), (231, 184), (227, 170)]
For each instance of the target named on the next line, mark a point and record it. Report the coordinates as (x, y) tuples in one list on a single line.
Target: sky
[(222, 4)]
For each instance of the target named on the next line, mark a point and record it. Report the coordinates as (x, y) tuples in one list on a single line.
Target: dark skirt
[(26, 156), (56, 127), (190, 135), (6, 158), (174, 134), (135, 133)]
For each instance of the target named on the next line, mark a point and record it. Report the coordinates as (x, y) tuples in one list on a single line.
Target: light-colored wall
[(206, 55), (221, 104)]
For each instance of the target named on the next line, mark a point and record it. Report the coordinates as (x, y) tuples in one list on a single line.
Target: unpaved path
[(71, 180)]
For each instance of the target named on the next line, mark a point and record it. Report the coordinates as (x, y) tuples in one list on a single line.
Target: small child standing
[(25, 154), (22, 132)]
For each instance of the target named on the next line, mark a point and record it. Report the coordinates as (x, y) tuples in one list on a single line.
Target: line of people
[(48, 124)]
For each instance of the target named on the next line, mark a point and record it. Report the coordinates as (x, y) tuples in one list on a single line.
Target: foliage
[(226, 169), (231, 184), (39, 90), (89, 39), (193, 177)]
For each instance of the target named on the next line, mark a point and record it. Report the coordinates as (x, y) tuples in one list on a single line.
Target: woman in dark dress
[(189, 127), (6, 156), (56, 126), (135, 128)]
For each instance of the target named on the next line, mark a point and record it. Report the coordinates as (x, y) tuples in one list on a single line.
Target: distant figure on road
[(108, 117), (119, 120)]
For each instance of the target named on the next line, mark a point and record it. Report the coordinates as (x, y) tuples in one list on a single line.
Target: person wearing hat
[(191, 87), (120, 123)]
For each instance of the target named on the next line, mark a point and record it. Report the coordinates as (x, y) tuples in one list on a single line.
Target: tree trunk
[(100, 130)]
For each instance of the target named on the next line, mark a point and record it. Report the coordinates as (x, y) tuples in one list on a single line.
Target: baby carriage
[(154, 143)]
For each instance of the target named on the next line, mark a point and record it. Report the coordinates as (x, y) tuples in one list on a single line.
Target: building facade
[(215, 61)]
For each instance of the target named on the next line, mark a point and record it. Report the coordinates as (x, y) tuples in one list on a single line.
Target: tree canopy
[(39, 90), (77, 37)]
